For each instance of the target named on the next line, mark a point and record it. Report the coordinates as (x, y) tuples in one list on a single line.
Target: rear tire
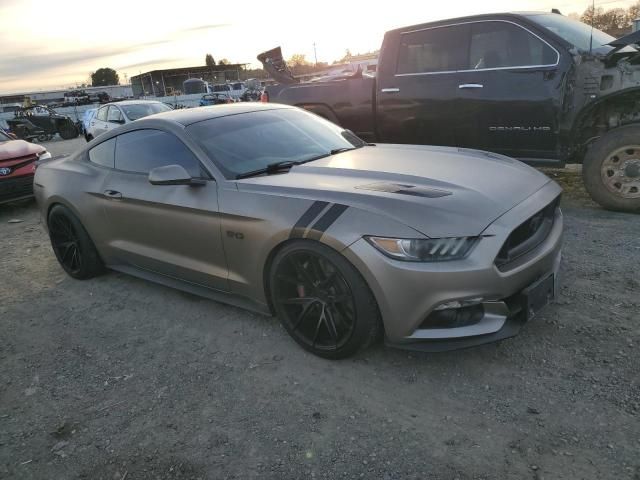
[(72, 245), (611, 169), (322, 300), (68, 131)]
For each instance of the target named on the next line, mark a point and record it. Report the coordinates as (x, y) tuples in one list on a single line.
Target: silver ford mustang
[(274, 209)]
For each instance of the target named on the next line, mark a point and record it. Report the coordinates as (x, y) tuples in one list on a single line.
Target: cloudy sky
[(58, 43)]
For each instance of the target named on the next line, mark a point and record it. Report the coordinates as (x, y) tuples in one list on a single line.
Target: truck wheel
[(68, 131), (611, 169)]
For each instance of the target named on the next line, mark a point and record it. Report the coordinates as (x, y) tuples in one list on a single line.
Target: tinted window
[(143, 150), (115, 115), (103, 154), (250, 141), (102, 114), (433, 50), (140, 110), (501, 44)]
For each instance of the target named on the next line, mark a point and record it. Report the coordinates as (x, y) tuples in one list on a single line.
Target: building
[(58, 96), (162, 83)]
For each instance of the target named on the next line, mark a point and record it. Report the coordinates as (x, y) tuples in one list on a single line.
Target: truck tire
[(611, 169), (68, 131)]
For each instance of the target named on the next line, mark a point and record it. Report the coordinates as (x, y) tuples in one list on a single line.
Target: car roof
[(187, 116), (470, 18), (131, 102)]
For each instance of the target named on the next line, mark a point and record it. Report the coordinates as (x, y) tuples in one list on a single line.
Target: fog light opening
[(454, 317)]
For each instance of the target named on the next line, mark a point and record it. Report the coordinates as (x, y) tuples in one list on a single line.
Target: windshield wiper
[(287, 164), (269, 169)]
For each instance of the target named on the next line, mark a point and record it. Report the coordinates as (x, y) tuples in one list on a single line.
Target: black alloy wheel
[(322, 301), (71, 244)]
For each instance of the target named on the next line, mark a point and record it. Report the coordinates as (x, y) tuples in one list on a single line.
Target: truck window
[(503, 45), (440, 49)]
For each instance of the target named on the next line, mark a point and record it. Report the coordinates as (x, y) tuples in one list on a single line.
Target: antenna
[(593, 18)]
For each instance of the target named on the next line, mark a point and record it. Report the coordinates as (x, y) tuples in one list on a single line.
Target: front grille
[(11, 188), (528, 235)]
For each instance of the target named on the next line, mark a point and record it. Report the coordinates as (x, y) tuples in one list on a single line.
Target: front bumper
[(16, 188), (408, 292)]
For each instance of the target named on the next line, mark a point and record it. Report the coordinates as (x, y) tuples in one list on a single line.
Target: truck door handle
[(470, 85), (112, 194), (390, 90)]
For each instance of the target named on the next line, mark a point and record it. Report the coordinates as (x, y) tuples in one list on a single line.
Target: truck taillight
[(264, 98)]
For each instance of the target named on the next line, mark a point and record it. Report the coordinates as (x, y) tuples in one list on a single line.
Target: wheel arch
[(322, 110), (607, 113)]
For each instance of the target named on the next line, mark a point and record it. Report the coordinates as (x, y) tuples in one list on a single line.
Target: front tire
[(611, 169), (322, 300), (72, 245), (68, 131)]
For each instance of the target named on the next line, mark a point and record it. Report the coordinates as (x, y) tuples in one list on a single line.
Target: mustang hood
[(13, 149), (437, 191)]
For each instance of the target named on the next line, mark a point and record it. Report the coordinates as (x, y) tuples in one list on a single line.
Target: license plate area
[(538, 295)]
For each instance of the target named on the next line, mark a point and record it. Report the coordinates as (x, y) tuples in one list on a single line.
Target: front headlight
[(424, 249), (46, 155)]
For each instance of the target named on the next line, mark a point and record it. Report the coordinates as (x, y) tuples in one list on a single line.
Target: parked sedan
[(275, 209), (113, 115), (17, 166), (215, 99)]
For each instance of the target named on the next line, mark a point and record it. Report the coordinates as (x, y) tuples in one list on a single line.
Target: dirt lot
[(116, 378)]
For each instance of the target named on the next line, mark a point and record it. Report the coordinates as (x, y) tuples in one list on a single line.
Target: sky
[(58, 43)]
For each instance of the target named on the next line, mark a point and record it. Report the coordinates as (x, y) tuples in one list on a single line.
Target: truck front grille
[(528, 235)]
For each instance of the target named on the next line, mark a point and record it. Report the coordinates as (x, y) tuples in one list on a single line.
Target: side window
[(102, 114), (143, 150), (440, 49), (501, 44), (103, 154), (115, 115)]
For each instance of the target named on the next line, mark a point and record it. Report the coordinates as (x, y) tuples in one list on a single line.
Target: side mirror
[(173, 175)]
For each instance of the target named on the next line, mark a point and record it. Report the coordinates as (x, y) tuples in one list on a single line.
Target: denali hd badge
[(4, 171)]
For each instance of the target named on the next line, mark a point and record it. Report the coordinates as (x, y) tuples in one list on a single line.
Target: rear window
[(441, 49), (103, 154), (140, 110)]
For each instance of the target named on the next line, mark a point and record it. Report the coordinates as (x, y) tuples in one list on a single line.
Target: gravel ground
[(117, 378)]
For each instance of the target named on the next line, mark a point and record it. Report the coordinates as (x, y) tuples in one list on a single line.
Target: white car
[(113, 115)]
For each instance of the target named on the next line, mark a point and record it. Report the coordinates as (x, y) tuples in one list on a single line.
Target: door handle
[(390, 90), (470, 85), (112, 194)]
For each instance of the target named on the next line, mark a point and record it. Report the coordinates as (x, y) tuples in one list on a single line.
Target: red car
[(17, 167)]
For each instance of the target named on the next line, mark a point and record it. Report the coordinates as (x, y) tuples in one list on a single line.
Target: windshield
[(576, 33), (250, 141), (139, 110)]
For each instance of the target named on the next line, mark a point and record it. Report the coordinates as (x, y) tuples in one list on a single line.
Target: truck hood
[(438, 191), (13, 149), (275, 65)]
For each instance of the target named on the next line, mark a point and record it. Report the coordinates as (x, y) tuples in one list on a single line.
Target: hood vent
[(402, 189)]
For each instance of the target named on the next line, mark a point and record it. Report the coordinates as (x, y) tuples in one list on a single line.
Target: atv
[(42, 123)]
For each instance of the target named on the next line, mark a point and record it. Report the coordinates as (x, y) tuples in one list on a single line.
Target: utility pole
[(315, 53)]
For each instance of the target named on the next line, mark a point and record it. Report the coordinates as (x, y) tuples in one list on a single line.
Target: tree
[(224, 61), (298, 60), (103, 77), (614, 21), (209, 61)]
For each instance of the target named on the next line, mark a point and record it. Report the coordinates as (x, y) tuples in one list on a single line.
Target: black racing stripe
[(321, 226), (307, 217)]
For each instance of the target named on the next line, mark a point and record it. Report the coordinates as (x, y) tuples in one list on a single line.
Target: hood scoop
[(403, 189)]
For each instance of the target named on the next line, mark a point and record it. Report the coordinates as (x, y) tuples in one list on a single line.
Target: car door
[(417, 97), (510, 92), (99, 123), (173, 230)]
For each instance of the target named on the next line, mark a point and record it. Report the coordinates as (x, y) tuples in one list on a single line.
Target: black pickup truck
[(539, 87)]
